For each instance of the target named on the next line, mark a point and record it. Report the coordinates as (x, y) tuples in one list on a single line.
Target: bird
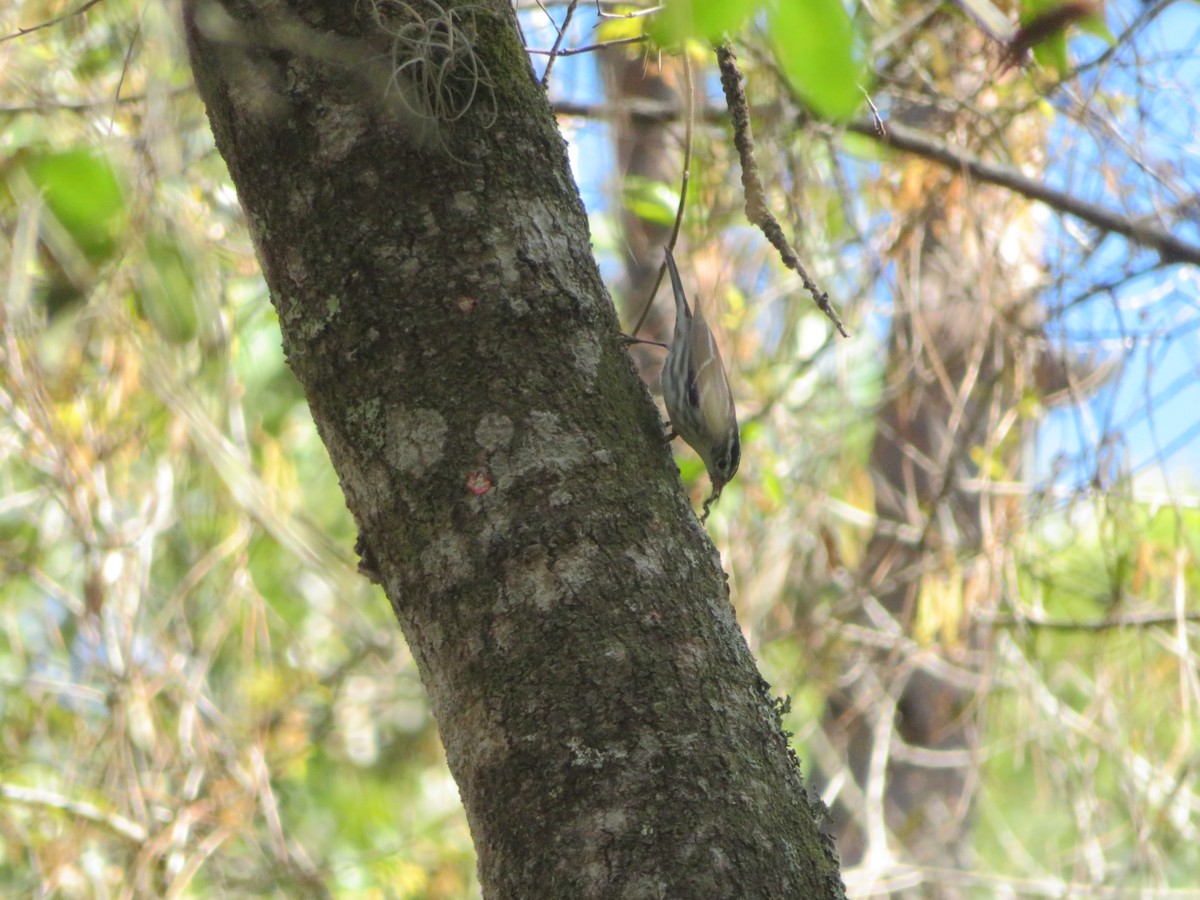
[(696, 392)]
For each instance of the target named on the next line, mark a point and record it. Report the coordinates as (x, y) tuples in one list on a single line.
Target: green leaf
[(1051, 53), (81, 190), (821, 53), (1045, 23), (691, 466), (1097, 27), (605, 236), (649, 200), (166, 290), (709, 20), (772, 486), (862, 147), (621, 23)]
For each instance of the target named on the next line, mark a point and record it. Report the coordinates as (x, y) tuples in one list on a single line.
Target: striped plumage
[(696, 392)]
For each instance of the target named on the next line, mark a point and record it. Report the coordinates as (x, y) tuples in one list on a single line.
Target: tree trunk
[(428, 256), (967, 347)]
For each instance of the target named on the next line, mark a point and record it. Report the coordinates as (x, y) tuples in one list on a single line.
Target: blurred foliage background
[(201, 696), (963, 541)]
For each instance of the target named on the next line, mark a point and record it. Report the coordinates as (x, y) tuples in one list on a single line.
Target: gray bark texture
[(428, 255)]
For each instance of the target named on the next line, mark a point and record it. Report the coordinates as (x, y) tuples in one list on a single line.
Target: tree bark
[(440, 306)]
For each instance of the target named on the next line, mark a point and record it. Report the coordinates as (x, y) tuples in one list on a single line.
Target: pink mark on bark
[(478, 483)]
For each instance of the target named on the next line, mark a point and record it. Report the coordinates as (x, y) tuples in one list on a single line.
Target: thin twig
[(689, 119), (1145, 620), (125, 70), (562, 35), (640, 110), (756, 204), (53, 106), (114, 822), (632, 14), (588, 48), (1171, 248), (879, 126), (21, 32)]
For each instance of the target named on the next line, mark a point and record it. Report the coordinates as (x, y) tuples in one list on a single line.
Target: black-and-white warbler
[(696, 392)]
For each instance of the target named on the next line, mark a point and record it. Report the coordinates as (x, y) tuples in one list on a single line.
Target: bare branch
[(114, 822), (1142, 620), (1171, 248), (21, 32), (555, 52), (756, 203), (562, 35), (689, 127)]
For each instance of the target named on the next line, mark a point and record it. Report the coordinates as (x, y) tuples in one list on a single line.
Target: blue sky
[(1148, 419)]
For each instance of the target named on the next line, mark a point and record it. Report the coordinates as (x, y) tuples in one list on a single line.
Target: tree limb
[(1171, 248), (21, 32), (757, 210), (114, 822)]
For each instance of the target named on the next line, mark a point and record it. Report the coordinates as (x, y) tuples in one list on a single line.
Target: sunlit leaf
[(709, 20), (620, 24), (83, 193), (821, 53), (652, 201), (1044, 25), (1098, 27), (1052, 53)]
